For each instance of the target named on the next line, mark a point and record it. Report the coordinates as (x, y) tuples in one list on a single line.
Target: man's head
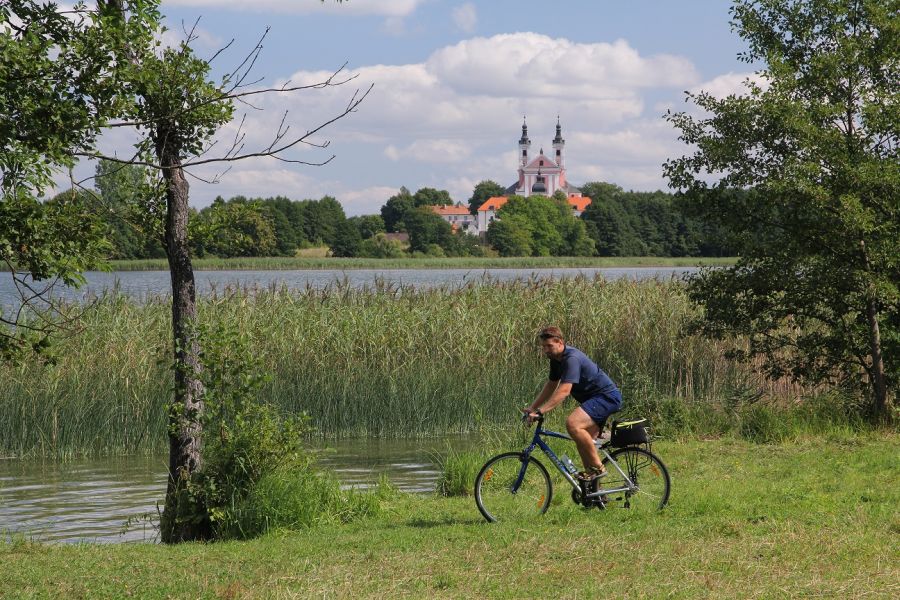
[(552, 343)]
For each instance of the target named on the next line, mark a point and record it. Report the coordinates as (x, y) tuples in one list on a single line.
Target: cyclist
[(572, 372)]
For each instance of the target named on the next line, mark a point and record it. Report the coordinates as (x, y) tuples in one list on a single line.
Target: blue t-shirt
[(587, 379)]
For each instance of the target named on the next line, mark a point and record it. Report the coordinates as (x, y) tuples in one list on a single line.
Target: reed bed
[(385, 360)]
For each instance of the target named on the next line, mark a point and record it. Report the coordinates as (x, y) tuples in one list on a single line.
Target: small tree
[(54, 99), (483, 191), (427, 228), (346, 240), (394, 210), (816, 145), (427, 196), (368, 225)]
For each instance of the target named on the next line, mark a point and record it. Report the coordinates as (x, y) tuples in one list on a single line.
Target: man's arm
[(551, 396), (546, 392), (559, 394)]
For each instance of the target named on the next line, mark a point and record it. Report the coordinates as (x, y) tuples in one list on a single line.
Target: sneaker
[(592, 474)]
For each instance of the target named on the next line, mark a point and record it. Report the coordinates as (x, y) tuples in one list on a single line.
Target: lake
[(141, 284), (90, 500)]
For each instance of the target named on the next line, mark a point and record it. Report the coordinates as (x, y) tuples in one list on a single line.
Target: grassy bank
[(815, 518), (399, 362), (317, 262)]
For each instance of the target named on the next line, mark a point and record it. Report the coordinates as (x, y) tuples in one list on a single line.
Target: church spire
[(524, 144), (558, 144), (558, 139)]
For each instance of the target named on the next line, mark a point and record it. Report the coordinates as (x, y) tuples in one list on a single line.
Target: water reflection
[(92, 500), (81, 500)]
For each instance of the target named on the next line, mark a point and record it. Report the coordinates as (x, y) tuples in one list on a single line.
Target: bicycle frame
[(537, 442)]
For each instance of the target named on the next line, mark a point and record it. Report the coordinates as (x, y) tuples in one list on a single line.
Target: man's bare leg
[(584, 430)]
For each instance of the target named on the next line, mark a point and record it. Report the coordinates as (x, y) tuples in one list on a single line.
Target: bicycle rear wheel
[(508, 489), (646, 471)]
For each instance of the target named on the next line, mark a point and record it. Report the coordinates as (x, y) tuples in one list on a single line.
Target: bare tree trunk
[(883, 405), (882, 402), (187, 404)]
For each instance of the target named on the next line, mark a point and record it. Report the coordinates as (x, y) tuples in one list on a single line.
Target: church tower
[(558, 143), (524, 145)]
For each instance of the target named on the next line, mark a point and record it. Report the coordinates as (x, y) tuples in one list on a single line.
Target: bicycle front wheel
[(510, 488), (646, 471)]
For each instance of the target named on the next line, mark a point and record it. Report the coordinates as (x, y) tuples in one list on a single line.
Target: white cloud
[(465, 17), (432, 151), (453, 119), (385, 8), (730, 84), (365, 201), (175, 34), (470, 91)]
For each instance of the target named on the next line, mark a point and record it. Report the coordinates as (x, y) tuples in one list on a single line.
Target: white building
[(458, 216), (542, 175)]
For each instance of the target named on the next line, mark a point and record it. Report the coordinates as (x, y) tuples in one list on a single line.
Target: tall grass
[(382, 361)]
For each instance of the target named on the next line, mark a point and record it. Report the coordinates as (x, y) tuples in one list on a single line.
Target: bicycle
[(513, 485)]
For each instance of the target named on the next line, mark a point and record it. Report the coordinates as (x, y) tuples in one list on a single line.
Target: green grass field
[(313, 260), (818, 517)]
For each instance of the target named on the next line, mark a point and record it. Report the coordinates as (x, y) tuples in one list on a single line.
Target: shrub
[(256, 473)]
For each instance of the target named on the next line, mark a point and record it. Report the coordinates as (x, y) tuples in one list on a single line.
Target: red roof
[(493, 203), (450, 210), (579, 203)]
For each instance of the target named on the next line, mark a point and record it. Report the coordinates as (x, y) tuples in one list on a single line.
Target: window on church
[(542, 163), (524, 152)]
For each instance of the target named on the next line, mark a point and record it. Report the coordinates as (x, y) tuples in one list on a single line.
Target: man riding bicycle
[(572, 372)]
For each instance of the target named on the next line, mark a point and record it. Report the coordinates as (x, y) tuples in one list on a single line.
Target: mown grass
[(313, 259), (816, 517), (399, 362)]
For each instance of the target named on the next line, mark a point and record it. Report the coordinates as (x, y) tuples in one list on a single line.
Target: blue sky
[(452, 80)]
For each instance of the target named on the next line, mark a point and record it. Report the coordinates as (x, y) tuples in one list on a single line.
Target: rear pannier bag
[(629, 433)]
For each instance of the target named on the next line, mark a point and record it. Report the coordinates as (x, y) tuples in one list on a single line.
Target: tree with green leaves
[(510, 237), (484, 190), (123, 193), (55, 96), (231, 229), (540, 226), (426, 228), (815, 143), (62, 86), (368, 225), (427, 196), (394, 210), (346, 240)]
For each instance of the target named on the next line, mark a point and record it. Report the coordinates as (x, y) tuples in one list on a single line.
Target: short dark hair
[(551, 332)]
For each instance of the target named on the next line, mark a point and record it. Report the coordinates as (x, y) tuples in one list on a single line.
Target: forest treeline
[(617, 223)]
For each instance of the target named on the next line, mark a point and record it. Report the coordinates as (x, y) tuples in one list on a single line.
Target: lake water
[(92, 500), (141, 284)]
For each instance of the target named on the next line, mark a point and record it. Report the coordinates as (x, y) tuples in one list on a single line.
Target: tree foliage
[(646, 224), (426, 228), (58, 88), (539, 226), (815, 143), (230, 229), (483, 191)]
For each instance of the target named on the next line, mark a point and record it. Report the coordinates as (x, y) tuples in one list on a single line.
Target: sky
[(452, 81)]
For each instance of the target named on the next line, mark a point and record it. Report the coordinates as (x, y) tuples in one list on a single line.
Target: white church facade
[(539, 174)]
